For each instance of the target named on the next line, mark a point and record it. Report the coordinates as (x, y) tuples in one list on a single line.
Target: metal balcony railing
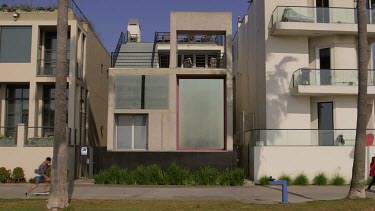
[(8, 136), (330, 15), (203, 60), (47, 67), (329, 77), (307, 137), (39, 136)]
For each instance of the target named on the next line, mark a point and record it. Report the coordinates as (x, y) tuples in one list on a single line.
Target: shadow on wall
[(93, 134), (277, 97)]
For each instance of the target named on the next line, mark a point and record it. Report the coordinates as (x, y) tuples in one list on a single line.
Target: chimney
[(134, 31)]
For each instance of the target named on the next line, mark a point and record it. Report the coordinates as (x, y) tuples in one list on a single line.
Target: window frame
[(132, 129), (28, 60), (179, 77)]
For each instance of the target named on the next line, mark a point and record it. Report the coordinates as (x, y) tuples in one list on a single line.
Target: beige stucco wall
[(96, 74), (162, 124), (293, 160)]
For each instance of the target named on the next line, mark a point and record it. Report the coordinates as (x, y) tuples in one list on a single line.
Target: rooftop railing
[(122, 40), (307, 137), (329, 77), (40, 6), (318, 15)]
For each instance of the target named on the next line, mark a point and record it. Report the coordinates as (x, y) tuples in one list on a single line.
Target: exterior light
[(15, 16)]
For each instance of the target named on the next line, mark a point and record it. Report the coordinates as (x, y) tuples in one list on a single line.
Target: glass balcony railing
[(318, 15), (308, 137), (329, 77)]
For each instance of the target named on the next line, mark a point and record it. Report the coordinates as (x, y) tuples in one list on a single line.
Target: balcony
[(329, 82), (313, 21), (47, 67), (308, 137)]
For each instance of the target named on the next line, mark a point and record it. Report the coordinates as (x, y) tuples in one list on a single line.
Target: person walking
[(372, 173), (41, 176)]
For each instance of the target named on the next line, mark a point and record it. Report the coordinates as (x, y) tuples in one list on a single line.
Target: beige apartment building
[(295, 73), (170, 100), (27, 89)]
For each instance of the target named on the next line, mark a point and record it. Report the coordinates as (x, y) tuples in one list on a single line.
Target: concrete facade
[(275, 108), (87, 82), (162, 125)]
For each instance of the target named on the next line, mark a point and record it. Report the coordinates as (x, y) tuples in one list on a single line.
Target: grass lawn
[(96, 205)]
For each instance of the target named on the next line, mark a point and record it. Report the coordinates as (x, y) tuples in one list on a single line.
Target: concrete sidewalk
[(252, 194)]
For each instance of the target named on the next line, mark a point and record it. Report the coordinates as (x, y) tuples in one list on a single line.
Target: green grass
[(98, 205), (337, 180), (320, 179), (301, 179)]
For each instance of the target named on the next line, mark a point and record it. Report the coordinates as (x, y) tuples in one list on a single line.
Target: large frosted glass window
[(156, 92), (142, 92), (201, 114), (15, 44), (129, 92), (131, 132)]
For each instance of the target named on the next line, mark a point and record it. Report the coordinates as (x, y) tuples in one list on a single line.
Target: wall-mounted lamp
[(16, 16)]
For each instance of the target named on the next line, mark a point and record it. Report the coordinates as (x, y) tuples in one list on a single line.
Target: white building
[(295, 67)]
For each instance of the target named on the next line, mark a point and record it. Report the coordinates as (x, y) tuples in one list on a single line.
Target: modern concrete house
[(170, 100), (27, 90), (295, 70)]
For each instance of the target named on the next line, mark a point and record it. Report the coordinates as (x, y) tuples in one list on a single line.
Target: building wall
[(293, 160), (98, 62), (162, 124)]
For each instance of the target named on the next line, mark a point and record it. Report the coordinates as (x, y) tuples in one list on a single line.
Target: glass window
[(17, 106), (131, 132), (156, 92), (129, 92), (15, 44), (142, 92), (201, 114), (48, 109)]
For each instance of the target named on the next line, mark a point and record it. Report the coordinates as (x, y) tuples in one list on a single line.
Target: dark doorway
[(325, 124), (322, 11), (325, 66)]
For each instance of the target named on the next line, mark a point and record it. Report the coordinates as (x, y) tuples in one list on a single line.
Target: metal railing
[(307, 137), (318, 15), (330, 77), (162, 37), (47, 67), (39, 136), (200, 39), (8, 136), (122, 40), (207, 60), (135, 60)]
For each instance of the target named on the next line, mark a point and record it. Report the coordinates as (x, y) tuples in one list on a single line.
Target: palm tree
[(357, 185), (58, 197)]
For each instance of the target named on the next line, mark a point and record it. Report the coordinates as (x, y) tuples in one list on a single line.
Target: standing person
[(41, 176), (372, 173)]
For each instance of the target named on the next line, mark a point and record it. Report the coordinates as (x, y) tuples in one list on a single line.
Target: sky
[(110, 17)]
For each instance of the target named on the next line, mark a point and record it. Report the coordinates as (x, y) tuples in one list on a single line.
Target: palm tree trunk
[(58, 197), (357, 186)]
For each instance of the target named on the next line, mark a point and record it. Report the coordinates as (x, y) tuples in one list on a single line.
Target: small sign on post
[(83, 150)]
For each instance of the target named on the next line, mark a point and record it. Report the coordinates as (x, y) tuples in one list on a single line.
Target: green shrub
[(301, 179), (4, 175), (337, 180), (114, 175), (176, 175), (287, 178), (18, 175), (263, 180), (207, 176), (150, 175), (233, 177), (320, 179)]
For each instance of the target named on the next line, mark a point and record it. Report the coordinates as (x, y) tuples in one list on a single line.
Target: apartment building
[(170, 100), (28, 41), (295, 70)]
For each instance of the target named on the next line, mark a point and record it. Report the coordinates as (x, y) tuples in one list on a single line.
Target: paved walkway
[(251, 194)]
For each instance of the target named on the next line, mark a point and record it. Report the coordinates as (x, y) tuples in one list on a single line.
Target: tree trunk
[(357, 186), (58, 197)]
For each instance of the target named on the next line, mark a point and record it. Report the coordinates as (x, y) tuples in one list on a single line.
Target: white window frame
[(132, 143)]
